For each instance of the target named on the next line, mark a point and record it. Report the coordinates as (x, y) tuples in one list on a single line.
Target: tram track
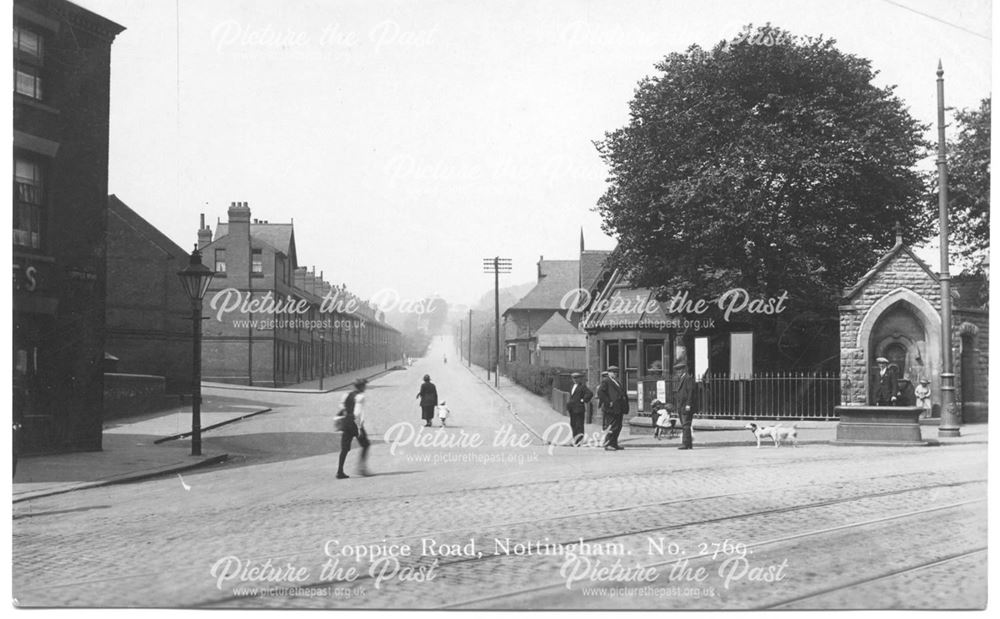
[(622, 510), (555, 585), (881, 577), (457, 562)]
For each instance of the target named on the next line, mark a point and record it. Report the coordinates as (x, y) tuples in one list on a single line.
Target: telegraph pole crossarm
[(496, 266)]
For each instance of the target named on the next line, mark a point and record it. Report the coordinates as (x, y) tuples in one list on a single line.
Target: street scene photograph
[(500, 306)]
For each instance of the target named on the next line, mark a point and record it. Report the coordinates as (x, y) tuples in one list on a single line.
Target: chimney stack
[(239, 220), (204, 234)]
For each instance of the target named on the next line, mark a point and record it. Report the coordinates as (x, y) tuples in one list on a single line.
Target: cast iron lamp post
[(196, 278), (322, 358)]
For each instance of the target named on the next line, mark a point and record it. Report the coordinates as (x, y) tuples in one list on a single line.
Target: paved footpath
[(158, 443), (483, 514)]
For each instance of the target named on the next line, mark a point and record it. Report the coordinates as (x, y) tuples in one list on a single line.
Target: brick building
[(148, 328), (62, 68), (537, 329), (271, 322), (893, 311)]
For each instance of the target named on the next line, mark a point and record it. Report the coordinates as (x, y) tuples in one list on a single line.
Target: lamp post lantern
[(196, 278)]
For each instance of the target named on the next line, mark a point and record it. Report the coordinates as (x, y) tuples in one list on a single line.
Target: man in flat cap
[(576, 406), (885, 384), (683, 393), (614, 404)]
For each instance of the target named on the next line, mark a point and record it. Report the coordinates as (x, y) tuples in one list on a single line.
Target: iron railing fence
[(769, 395)]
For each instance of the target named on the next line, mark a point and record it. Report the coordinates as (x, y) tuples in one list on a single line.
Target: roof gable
[(623, 304), (897, 250), (143, 228), (557, 277), (557, 325), (279, 237)]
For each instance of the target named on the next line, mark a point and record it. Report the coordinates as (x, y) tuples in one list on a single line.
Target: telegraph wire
[(937, 19)]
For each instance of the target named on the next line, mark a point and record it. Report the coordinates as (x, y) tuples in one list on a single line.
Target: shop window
[(630, 372), (610, 354), (29, 203), (654, 359)]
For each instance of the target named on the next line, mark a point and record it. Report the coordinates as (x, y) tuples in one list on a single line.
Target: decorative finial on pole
[(940, 71)]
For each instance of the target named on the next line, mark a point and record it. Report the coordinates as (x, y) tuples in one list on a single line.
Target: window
[(220, 261), (27, 82), (654, 358), (630, 372), (29, 203), (610, 354), (28, 41), (511, 353), (28, 46), (257, 261)]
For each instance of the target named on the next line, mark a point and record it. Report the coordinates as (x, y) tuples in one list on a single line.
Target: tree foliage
[(969, 185), (769, 163)]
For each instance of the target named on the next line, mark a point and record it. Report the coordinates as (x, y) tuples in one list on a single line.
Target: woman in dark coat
[(428, 400)]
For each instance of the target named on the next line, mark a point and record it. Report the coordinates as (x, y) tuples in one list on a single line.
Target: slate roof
[(134, 220), (277, 236), (625, 307), (557, 278), (557, 325), (591, 263)]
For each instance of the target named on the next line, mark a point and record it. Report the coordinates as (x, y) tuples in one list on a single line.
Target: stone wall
[(903, 278)]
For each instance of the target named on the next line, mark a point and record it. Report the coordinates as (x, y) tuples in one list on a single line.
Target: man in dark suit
[(886, 384), (614, 404), (683, 393), (576, 406)]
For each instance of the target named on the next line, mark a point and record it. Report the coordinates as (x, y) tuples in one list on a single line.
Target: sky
[(409, 140)]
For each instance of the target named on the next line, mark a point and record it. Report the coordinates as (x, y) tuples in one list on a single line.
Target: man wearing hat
[(682, 402), (354, 427), (886, 385), (576, 406), (614, 404)]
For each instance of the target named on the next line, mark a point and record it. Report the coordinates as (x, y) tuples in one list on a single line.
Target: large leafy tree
[(771, 163), (969, 185)]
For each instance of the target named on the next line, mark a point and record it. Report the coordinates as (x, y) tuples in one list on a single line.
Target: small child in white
[(923, 395), (442, 412)]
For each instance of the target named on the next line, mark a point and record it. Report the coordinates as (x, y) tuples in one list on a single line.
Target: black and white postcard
[(500, 305)]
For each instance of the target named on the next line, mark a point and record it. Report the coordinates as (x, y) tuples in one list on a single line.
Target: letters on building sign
[(26, 278)]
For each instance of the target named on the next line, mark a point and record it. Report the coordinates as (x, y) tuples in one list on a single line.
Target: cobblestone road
[(815, 527)]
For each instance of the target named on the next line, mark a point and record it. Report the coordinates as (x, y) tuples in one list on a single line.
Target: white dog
[(776, 433)]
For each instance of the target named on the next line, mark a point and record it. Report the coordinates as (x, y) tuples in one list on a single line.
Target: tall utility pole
[(469, 357), (496, 265), (949, 417)]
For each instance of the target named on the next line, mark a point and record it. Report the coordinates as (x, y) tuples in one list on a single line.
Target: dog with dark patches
[(777, 433)]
